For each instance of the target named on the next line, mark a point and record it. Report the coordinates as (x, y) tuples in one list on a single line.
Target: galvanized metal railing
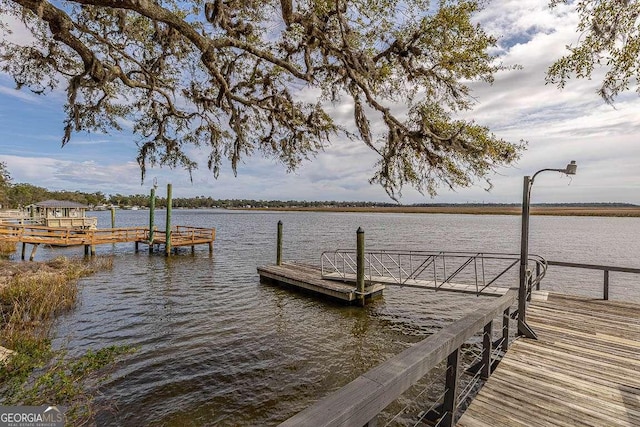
[(606, 269), (431, 268)]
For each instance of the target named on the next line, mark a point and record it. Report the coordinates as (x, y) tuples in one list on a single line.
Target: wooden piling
[(24, 249), (86, 250), (33, 252), (113, 217), (152, 208), (168, 225), (93, 250), (279, 245), (360, 264)]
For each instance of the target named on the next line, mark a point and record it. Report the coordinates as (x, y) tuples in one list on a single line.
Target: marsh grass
[(32, 295), (7, 248)]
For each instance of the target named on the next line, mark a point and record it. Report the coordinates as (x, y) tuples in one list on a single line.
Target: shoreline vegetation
[(32, 296), (586, 210)]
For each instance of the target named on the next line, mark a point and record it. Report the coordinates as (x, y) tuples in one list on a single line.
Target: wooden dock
[(584, 369), (310, 279), (66, 237)]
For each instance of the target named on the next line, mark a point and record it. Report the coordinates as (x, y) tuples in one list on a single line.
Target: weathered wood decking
[(584, 369), (65, 237), (310, 279)]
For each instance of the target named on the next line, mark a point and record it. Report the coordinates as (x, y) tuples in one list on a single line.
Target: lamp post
[(523, 328)]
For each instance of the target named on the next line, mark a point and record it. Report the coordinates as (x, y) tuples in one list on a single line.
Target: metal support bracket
[(526, 331)]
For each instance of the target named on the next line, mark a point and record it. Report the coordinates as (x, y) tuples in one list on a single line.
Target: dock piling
[(113, 217), (279, 245), (33, 252), (152, 208), (168, 226), (24, 248), (360, 263)]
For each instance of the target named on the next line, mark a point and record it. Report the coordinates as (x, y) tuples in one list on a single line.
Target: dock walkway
[(423, 284), (584, 369), (65, 237)]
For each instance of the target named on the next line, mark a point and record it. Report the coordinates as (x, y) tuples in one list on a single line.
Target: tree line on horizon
[(22, 194)]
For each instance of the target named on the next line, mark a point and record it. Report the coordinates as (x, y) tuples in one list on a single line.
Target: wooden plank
[(583, 369), (77, 237), (308, 278), (569, 387)]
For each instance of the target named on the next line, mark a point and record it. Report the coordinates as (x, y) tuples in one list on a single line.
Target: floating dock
[(308, 278)]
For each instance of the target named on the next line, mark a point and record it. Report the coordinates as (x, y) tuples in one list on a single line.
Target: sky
[(559, 126)]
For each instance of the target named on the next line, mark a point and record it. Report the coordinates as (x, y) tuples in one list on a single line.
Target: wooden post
[(167, 245), (113, 217), (93, 250), (606, 285), (450, 403), (360, 264), (487, 349), (135, 247), (33, 252), (86, 250), (24, 249), (152, 208), (210, 247), (505, 330), (279, 245), (538, 275)]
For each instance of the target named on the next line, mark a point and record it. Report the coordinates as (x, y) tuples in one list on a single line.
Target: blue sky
[(572, 124)]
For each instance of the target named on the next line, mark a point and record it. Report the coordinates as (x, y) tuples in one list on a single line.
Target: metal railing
[(431, 268), (604, 268)]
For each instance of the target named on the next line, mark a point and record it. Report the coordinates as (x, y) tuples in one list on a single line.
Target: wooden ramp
[(310, 279), (584, 369)]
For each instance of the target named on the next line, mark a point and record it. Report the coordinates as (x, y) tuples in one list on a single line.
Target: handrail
[(360, 401), (423, 268), (595, 267), (605, 268)]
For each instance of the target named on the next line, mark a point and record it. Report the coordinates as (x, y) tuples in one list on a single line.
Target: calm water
[(215, 347)]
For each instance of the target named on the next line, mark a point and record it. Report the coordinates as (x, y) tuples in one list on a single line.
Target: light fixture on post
[(523, 328)]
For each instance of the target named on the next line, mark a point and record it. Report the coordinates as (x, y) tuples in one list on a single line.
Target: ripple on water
[(215, 347)]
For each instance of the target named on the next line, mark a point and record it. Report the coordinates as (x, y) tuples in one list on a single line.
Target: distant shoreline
[(472, 210)]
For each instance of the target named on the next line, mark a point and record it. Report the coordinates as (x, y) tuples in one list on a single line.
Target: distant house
[(61, 213)]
